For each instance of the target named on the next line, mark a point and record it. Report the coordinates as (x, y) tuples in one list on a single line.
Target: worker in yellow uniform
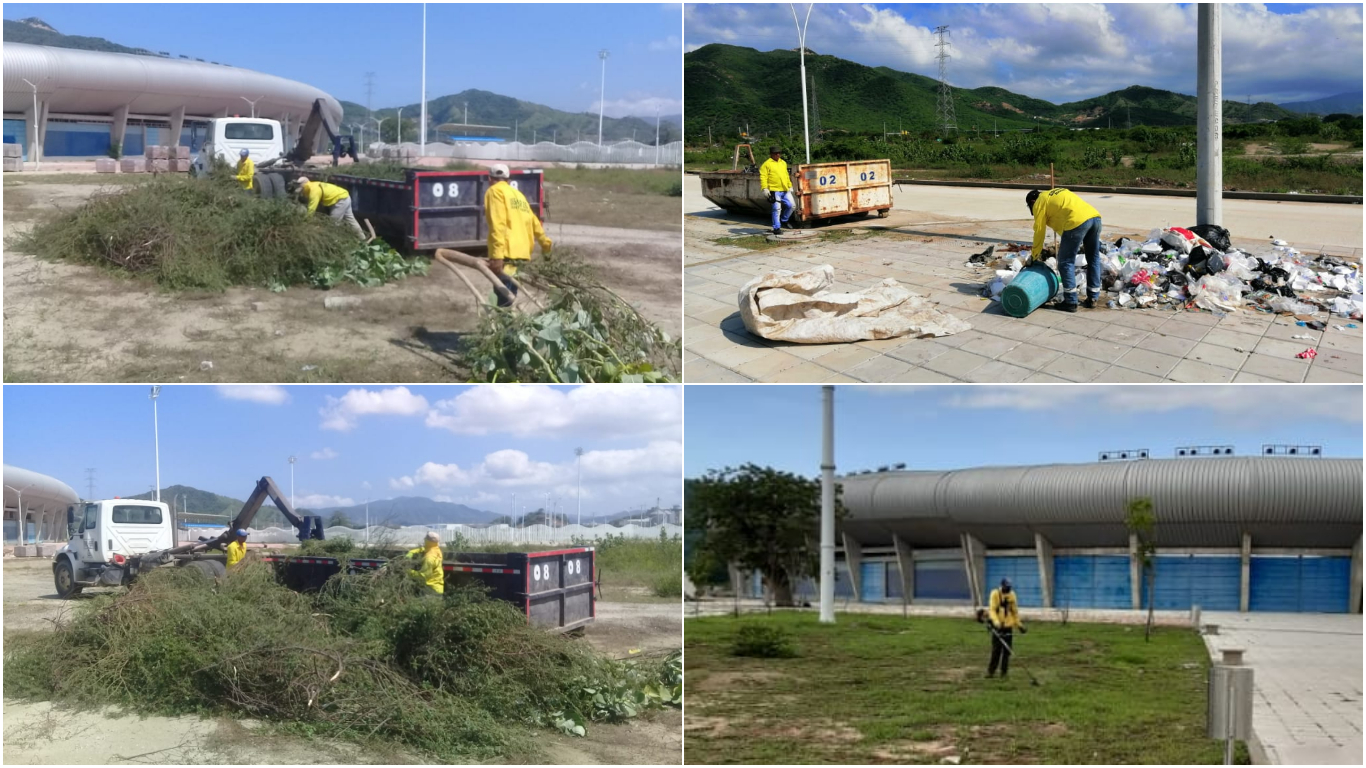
[(1079, 225), (237, 548), (431, 573), (775, 180), (1003, 618), (332, 198), (246, 169), (514, 229)]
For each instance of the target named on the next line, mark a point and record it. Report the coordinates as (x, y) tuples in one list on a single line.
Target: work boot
[(777, 231), (1066, 306), (1090, 303)]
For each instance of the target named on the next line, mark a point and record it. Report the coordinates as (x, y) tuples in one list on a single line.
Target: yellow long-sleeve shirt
[(328, 195), (1004, 611), (246, 169), (236, 551), (513, 226), (430, 572), (1060, 209), (773, 176)]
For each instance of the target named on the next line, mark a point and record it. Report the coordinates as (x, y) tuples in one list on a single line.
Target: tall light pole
[(292, 459), (252, 103), (801, 41), (379, 128), (578, 489), (1209, 167), (156, 437), (36, 147), (400, 125), (656, 134), (827, 505), (423, 130), (602, 93)]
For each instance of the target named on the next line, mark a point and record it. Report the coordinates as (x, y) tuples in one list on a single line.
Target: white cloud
[(641, 411), (324, 454), (642, 106), (268, 394), (443, 498), (322, 500), (658, 458), (342, 413), (670, 44)]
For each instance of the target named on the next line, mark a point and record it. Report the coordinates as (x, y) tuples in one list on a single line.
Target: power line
[(947, 119)]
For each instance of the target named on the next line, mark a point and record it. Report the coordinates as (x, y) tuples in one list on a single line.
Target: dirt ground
[(66, 322), (39, 733)]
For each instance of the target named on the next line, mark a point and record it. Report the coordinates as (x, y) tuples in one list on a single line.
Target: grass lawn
[(882, 689)]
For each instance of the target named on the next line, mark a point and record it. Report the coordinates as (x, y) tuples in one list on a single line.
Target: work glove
[(772, 198)]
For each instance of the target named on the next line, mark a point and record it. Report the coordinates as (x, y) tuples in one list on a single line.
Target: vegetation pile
[(366, 659)]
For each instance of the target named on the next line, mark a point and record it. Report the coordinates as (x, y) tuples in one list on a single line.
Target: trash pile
[(1198, 267)]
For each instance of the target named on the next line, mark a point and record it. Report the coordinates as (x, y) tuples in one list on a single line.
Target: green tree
[(1140, 521), (758, 518), (339, 519)]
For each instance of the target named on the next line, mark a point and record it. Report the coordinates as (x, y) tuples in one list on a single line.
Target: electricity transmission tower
[(369, 92), (947, 120), (90, 482)]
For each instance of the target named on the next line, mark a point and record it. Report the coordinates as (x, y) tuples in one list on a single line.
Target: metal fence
[(411, 535), (620, 153)]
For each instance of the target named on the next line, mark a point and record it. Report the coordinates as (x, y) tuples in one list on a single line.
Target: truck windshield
[(137, 515), (249, 131)]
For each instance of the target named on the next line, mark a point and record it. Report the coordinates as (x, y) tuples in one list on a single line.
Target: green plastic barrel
[(1030, 289)]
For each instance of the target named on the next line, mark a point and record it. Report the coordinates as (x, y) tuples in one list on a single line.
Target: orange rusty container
[(821, 190)]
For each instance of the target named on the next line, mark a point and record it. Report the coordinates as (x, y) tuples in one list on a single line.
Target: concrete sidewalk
[(1307, 674)]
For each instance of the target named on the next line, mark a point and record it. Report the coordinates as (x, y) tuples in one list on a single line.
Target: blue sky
[(1067, 51), (545, 53), (475, 445), (952, 427)]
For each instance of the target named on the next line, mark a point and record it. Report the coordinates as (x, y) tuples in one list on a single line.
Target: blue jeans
[(782, 201), (1088, 235)]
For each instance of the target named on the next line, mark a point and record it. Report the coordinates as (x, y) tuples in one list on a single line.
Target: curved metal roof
[(1281, 501), (38, 490), (98, 83)]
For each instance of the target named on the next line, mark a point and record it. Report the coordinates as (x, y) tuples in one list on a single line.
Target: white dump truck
[(264, 140)]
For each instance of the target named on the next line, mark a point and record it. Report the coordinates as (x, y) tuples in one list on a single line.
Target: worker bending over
[(237, 548), (246, 169), (332, 198), (1003, 616), (514, 229), (430, 573), (775, 180), (1079, 225)]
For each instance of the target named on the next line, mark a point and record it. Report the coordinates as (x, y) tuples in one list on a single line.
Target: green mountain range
[(1343, 103), (730, 87)]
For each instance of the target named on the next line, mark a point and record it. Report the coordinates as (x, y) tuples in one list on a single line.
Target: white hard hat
[(433, 536), (499, 171), (299, 182)]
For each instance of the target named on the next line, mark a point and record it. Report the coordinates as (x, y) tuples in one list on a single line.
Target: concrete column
[(1245, 579), (1354, 595), (853, 557), (177, 121), (1209, 168), (119, 128), (1043, 549), (905, 559), (974, 560), (1135, 572), (736, 580)]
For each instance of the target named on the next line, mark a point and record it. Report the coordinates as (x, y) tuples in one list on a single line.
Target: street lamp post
[(801, 41), (36, 147), (423, 128), (156, 438), (379, 128), (292, 459), (578, 488), (602, 93), (252, 103), (400, 125), (20, 493)]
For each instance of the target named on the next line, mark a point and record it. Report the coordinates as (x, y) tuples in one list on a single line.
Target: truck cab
[(228, 136), (102, 538)]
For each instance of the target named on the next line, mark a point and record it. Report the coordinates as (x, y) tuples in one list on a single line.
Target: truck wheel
[(210, 568), (882, 213), (65, 579), (259, 185), (278, 181)]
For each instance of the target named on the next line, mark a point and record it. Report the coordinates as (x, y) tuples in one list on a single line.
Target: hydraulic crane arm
[(308, 136), (266, 488)]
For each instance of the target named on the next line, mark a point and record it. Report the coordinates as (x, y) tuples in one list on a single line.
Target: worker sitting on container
[(246, 169), (1079, 225), (775, 180), (430, 573), (1003, 617), (333, 199), (237, 548), (514, 229)]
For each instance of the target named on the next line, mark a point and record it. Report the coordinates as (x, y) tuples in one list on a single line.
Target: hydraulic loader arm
[(266, 488), (308, 135)]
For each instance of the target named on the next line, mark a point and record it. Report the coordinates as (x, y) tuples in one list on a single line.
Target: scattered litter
[(983, 257), (1308, 354), (206, 365), (309, 368), (800, 307), (1304, 336)]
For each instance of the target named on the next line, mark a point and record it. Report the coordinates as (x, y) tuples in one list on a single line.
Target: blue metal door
[(941, 580), (1180, 581), (872, 582), (1092, 581), (844, 588), (1023, 572), (1300, 584), (894, 588)]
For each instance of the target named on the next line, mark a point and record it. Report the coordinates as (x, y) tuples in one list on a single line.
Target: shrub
[(669, 585), (763, 641)]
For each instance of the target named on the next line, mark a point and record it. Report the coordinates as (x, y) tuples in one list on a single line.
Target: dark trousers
[(1002, 642)]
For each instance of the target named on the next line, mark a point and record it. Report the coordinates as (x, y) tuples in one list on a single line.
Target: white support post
[(1209, 171)]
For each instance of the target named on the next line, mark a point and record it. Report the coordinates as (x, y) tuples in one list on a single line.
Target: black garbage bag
[(1215, 235), (1197, 263)]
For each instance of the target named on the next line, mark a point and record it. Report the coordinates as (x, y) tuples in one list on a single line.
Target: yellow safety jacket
[(321, 192), (246, 169), (430, 572), (1004, 611), (236, 551), (1060, 209), (513, 226), (773, 176)]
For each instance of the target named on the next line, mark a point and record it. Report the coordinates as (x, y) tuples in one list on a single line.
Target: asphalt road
[(1305, 225)]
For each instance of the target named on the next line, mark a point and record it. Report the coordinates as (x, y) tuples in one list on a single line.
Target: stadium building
[(35, 506), (82, 102), (1265, 533)]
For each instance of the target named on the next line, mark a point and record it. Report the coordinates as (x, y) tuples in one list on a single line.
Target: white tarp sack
[(799, 307)]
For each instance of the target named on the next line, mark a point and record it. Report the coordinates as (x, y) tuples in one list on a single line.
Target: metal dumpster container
[(431, 209), (821, 190), (554, 589)]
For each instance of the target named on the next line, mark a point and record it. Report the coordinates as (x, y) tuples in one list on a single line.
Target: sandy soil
[(74, 323), (39, 733)]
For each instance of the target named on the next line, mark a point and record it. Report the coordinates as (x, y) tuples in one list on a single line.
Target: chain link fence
[(620, 153)]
